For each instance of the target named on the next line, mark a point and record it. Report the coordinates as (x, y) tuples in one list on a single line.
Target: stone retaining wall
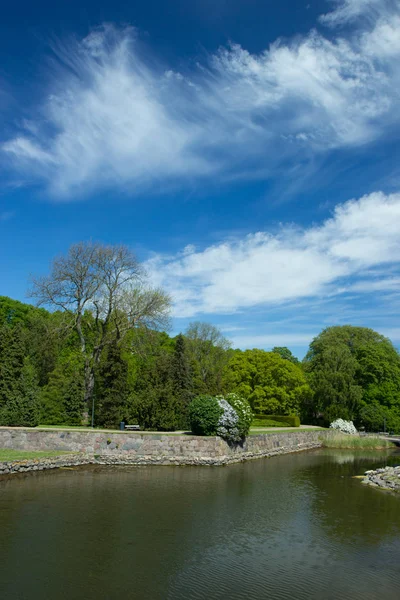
[(144, 449), (42, 464)]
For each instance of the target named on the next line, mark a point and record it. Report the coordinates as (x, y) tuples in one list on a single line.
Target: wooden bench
[(132, 427)]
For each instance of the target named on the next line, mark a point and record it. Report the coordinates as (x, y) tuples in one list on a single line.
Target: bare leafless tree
[(108, 283)]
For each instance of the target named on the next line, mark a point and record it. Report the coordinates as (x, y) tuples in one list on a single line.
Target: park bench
[(132, 427)]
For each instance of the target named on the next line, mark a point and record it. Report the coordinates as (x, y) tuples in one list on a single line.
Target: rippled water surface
[(296, 526)]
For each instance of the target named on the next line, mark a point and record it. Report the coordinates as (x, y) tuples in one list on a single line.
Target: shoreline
[(35, 465), (161, 450), (385, 478)]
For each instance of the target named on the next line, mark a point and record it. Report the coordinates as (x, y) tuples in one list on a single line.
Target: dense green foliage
[(150, 378), (272, 384), (204, 414), (285, 353), (282, 420), (112, 389), (355, 375), (19, 390), (267, 423)]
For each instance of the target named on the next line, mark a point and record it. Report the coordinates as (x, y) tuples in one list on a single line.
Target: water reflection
[(293, 526), (349, 512)]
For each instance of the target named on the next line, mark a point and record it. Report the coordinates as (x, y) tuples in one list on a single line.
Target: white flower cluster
[(227, 424), (240, 405), (344, 426)]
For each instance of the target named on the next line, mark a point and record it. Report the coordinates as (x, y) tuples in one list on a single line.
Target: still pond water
[(295, 526)]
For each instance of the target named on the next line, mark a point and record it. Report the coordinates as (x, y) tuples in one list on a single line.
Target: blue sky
[(246, 150)]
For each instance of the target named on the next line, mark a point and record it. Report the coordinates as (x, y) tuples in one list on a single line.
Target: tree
[(271, 384), (18, 380), (336, 392), (182, 377), (155, 404), (285, 353), (101, 288), (62, 398), (351, 368), (208, 351), (112, 388)]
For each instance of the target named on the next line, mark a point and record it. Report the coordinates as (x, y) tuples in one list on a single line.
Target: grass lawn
[(7, 455)]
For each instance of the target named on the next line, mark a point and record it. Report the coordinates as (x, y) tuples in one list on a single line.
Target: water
[(296, 526)]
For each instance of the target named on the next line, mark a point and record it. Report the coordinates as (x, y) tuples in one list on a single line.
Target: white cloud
[(386, 284), (270, 269), (349, 10), (114, 116)]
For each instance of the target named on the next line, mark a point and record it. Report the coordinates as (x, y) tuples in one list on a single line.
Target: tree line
[(94, 350)]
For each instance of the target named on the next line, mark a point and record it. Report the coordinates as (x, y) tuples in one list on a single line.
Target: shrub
[(268, 423), (378, 418), (344, 426), (243, 410), (229, 417), (204, 415), (281, 420), (228, 422)]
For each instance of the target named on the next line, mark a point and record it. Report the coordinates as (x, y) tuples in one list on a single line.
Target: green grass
[(356, 442), (7, 455)]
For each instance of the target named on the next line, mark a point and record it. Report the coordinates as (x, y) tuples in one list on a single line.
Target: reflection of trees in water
[(105, 527), (349, 511), (95, 524), (342, 457), (152, 529)]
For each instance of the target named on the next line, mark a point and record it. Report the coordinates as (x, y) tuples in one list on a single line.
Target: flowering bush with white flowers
[(228, 422), (344, 426), (243, 410), (228, 416)]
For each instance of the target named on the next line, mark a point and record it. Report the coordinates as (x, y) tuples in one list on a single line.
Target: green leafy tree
[(62, 398), (112, 388), (154, 402), (351, 368), (182, 380), (271, 384), (13, 312), (208, 352), (26, 402), (285, 353), (336, 392), (18, 380)]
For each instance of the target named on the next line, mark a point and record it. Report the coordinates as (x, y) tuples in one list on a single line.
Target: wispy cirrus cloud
[(346, 11), (355, 251), (115, 117)]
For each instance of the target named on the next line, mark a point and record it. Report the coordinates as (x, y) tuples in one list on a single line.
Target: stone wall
[(161, 449), (43, 464)]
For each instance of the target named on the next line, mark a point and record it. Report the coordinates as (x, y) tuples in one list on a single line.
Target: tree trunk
[(89, 395), (90, 367)]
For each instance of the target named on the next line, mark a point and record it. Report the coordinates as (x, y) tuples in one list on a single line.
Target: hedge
[(280, 420)]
